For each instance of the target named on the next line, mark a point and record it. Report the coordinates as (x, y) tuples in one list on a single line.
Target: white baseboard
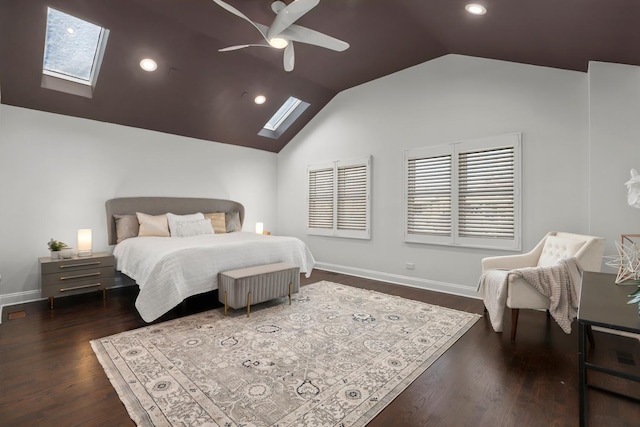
[(32, 296), (18, 298), (414, 282)]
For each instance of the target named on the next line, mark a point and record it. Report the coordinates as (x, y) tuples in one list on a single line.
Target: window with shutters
[(339, 199), (464, 194)]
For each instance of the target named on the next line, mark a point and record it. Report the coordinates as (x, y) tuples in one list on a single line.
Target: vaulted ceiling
[(202, 93)]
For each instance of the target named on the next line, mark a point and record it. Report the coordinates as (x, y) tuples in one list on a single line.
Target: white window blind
[(339, 199), (429, 196), (321, 198), (486, 199), (467, 193)]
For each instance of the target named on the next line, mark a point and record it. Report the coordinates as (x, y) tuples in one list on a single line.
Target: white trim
[(18, 298), (398, 279), (8, 300)]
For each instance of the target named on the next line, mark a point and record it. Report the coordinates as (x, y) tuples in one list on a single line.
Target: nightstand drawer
[(65, 266), (74, 275), (77, 286)]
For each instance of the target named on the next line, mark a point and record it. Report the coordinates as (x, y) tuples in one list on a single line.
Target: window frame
[(335, 230), (454, 150), (67, 83)]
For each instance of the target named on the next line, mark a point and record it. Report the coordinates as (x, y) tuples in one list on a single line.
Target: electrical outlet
[(409, 266)]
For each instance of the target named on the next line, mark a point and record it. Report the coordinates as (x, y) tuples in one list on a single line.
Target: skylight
[(283, 118), (283, 112), (73, 50)]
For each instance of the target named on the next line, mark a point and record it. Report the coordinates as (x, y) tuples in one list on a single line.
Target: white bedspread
[(170, 269)]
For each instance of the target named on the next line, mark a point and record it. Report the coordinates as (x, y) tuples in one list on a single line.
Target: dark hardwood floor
[(51, 377)]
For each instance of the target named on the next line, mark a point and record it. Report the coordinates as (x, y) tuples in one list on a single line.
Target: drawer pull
[(80, 276), (84, 264), (93, 285)]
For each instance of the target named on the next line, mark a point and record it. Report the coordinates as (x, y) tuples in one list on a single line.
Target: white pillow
[(556, 248), (193, 228), (173, 219), (152, 225)]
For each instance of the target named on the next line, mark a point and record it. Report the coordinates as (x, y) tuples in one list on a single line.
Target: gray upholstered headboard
[(161, 205)]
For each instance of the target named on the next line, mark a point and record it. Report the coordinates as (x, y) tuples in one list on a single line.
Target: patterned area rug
[(335, 357)]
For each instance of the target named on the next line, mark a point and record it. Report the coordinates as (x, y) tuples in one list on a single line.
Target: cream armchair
[(587, 250)]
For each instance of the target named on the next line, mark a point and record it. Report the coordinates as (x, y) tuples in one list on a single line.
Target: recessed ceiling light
[(148, 64), (476, 9), (278, 43), (70, 30), (260, 99)]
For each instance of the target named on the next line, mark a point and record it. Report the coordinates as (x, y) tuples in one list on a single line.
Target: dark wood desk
[(604, 304)]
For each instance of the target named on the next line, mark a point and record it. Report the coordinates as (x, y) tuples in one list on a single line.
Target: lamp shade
[(259, 227), (84, 242)]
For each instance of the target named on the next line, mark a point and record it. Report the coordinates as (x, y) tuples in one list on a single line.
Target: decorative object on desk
[(55, 247), (633, 189), (66, 253), (84, 242), (259, 228), (627, 261)]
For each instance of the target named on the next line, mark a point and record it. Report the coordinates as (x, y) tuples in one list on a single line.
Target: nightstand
[(61, 277)]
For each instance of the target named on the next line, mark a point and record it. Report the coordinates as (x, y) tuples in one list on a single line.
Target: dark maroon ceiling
[(202, 93)]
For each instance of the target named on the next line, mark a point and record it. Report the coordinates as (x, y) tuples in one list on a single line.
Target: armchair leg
[(514, 323)]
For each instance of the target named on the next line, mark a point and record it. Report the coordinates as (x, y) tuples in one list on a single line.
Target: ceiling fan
[(283, 32)]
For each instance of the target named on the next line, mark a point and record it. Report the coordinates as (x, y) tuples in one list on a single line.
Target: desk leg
[(582, 374)]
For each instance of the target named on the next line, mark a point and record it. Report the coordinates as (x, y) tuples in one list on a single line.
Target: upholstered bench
[(253, 285)]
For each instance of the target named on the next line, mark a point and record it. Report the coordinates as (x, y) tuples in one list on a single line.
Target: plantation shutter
[(465, 193), (339, 199), (429, 196), (352, 197), (321, 198), (486, 204)]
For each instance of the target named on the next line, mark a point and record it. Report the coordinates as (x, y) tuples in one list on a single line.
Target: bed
[(170, 269)]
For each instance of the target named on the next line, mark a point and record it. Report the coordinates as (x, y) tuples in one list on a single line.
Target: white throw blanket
[(560, 283)]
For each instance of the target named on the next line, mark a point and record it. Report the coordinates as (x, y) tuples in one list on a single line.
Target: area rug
[(335, 357)]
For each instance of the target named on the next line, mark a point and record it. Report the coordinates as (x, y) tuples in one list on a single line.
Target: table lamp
[(84, 242)]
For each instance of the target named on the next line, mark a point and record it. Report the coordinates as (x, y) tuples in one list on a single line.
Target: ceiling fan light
[(148, 64), (278, 43), (476, 9)]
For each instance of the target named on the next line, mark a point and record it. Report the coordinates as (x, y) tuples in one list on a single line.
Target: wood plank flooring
[(50, 376)]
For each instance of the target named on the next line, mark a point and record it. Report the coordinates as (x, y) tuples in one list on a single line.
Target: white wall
[(56, 172), (448, 99), (578, 130), (614, 97)]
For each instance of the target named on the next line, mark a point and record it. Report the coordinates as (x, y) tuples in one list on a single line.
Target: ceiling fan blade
[(241, 46), (236, 12), (289, 57), (289, 15), (308, 36)]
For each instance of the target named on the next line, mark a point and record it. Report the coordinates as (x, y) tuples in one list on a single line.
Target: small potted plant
[(55, 247)]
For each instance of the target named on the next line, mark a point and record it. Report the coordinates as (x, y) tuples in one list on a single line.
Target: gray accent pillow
[(193, 228), (233, 221), (126, 226)]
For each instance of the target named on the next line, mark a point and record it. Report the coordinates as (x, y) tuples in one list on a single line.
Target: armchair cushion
[(556, 248)]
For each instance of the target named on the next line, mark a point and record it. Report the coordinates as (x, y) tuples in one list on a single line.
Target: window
[(283, 118), (465, 194), (339, 199), (72, 54)]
